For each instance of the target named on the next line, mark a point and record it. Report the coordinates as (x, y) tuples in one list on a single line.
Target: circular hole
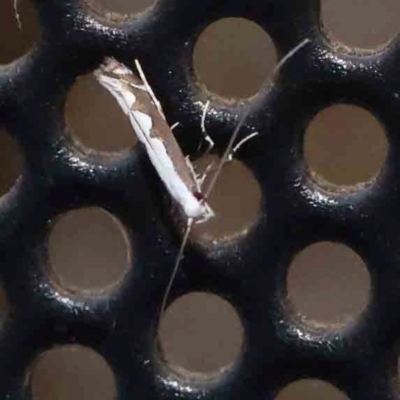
[(72, 372), (235, 200), (118, 10), (233, 57), (16, 41), (345, 145), (88, 250), (311, 389), (200, 333), (328, 283), (96, 119), (10, 162), (361, 23)]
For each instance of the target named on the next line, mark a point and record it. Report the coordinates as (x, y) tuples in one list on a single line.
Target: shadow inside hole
[(88, 250), (345, 145), (311, 389), (366, 24), (72, 372), (235, 200), (233, 57), (200, 333), (15, 42), (95, 118), (119, 10), (328, 283), (11, 164)]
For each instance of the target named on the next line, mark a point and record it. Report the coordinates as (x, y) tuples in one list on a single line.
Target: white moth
[(139, 103), (137, 100)]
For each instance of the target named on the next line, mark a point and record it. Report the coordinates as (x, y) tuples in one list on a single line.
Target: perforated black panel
[(250, 273)]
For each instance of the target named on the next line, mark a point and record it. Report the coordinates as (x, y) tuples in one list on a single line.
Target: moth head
[(206, 213), (112, 73), (113, 69), (119, 81), (201, 210)]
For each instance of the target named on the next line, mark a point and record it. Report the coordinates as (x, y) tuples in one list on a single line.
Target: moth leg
[(206, 172), (148, 87), (206, 136), (231, 154), (199, 178), (193, 172), (174, 126)]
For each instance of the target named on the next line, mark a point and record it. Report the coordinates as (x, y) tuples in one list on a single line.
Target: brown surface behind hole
[(361, 23), (226, 61), (201, 332), (15, 42), (72, 373), (345, 145), (88, 250), (328, 283), (311, 389)]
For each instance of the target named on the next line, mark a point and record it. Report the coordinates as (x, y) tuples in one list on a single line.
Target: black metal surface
[(58, 176)]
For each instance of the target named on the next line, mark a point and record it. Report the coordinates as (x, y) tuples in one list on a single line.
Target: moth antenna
[(176, 267), (240, 144), (206, 172), (148, 87), (235, 133), (289, 55), (17, 15)]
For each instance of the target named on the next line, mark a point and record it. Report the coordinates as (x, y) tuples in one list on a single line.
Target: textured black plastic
[(58, 176)]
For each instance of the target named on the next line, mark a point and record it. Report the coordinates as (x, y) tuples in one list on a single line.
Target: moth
[(145, 113), (139, 103)]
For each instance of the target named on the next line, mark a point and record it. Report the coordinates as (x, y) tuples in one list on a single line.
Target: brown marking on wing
[(162, 131)]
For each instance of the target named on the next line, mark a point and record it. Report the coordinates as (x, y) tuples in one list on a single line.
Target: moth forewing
[(137, 101)]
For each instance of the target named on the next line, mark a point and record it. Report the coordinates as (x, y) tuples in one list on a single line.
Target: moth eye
[(199, 196)]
